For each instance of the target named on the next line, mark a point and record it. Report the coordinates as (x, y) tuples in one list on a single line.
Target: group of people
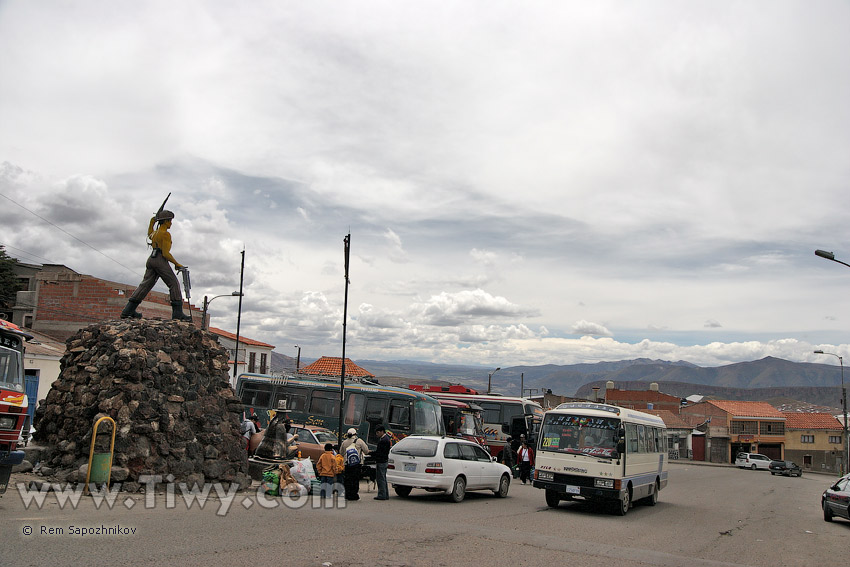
[(342, 465), (518, 456)]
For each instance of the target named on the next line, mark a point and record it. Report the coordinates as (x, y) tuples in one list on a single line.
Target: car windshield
[(416, 447), (581, 435)]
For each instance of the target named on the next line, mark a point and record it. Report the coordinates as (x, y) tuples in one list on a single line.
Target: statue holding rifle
[(157, 267)]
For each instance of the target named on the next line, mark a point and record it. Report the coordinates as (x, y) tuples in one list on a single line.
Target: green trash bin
[(101, 467)]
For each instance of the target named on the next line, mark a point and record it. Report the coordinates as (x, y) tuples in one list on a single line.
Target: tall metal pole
[(845, 441), (490, 379), (346, 248), (521, 384), (298, 360), (239, 317)]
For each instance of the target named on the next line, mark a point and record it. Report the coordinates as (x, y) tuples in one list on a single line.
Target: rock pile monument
[(166, 386)]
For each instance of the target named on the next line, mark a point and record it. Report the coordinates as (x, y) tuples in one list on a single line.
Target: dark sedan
[(788, 468), (836, 499)]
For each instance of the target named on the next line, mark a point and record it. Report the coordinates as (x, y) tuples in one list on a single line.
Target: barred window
[(744, 427)]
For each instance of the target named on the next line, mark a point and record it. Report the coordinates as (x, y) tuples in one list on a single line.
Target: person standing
[(525, 458), (326, 470), (382, 457), (353, 450), (506, 457), (157, 267), (249, 426)]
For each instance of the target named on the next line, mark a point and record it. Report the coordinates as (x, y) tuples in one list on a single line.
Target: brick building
[(641, 400), (58, 301)]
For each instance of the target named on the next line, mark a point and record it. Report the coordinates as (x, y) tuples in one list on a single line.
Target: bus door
[(399, 420), (376, 409)]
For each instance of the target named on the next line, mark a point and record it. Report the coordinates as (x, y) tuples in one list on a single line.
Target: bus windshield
[(10, 374), (580, 435), (470, 424), (428, 418)]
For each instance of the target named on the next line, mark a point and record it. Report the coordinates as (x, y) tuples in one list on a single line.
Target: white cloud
[(584, 163)]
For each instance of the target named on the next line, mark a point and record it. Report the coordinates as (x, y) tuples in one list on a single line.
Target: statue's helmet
[(164, 215)]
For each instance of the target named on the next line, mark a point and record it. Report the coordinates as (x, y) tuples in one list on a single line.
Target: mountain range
[(767, 378)]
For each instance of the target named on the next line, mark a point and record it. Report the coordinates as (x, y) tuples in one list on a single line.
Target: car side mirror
[(506, 428)]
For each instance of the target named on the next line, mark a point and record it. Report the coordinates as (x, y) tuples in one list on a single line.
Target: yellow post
[(100, 464)]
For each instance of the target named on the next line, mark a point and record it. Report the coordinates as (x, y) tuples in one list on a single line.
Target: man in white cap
[(353, 451)]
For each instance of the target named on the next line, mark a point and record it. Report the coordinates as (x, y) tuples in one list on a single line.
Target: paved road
[(707, 516)]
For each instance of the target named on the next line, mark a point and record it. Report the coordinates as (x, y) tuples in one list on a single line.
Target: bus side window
[(325, 403), (492, 412), (354, 409), (399, 414), (641, 435), (257, 395), (296, 400), (631, 438)]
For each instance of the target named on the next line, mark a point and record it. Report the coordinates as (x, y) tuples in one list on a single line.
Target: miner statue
[(157, 267)]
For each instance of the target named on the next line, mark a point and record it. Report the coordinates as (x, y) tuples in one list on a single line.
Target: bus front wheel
[(624, 503), (552, 498)]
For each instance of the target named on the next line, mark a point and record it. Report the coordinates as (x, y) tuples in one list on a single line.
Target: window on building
[(264, 363), (252, 361), (835, 439), (772, 428), (807, 438), (744, 427)]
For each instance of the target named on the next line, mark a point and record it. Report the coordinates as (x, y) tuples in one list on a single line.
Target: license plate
[(572, 489), (409, 467)]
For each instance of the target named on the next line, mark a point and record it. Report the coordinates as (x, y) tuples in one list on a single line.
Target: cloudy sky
[(524, 183)]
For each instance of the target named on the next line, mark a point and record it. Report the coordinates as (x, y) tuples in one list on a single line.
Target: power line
[(69, 234), (7, 246)]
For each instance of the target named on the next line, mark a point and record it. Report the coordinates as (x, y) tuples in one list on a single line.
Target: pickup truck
[(788, 468)]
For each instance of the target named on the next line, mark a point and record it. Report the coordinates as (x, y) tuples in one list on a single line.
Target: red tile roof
[(746, 409), (671, 420), (332, 366), (798, 420), (243, 340)]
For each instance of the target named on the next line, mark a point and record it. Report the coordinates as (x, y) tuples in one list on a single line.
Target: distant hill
[(765, 379)]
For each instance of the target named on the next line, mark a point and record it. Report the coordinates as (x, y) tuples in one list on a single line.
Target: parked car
[(752, 461), (788, 468), (836, 499), (445, 464)]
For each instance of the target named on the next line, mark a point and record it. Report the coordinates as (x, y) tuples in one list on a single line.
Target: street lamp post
[(207, 304), (490, 379), (844, 445)]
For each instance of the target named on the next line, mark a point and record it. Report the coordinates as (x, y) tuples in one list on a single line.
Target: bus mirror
[(621, 446), (506, 428)]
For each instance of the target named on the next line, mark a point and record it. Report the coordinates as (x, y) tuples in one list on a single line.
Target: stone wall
[(166, 386)]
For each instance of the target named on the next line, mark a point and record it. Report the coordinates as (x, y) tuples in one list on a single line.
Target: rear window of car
[(416, 447)]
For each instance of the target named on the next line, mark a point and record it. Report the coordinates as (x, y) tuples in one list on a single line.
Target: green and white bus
[(313, 401), (601, 453)]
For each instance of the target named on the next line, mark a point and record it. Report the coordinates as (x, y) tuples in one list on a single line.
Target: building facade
[(251, 356), (733, 426), (814, 441)]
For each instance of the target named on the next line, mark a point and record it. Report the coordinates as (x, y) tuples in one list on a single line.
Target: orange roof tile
[(799, 420), (243, 340), (332, 366), (670, 419), (746, 409)]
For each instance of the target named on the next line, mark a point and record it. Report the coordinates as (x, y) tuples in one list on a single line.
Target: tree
[(10, 285)]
